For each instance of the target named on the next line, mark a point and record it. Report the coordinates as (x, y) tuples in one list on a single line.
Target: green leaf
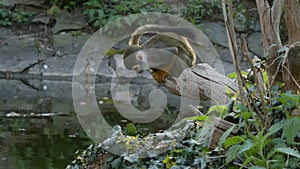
[(232, 75), (224, 136), (233, 140), (291, 128), (242, 107), (247, 146), (232, 153), (235, 150), (133, 158), (257, 167), (265, 76), (246, 115), (288, 151), (198, 118), (219, 109), (248, 160), (277, 142), (275, 128), (131, 130), (116, 163)]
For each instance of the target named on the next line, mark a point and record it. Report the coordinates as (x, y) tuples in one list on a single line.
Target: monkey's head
[(139, 59), (135, 59)]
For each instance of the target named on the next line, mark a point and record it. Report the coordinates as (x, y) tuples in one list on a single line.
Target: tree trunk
[(291, 69), (293, 20), (269, 20)]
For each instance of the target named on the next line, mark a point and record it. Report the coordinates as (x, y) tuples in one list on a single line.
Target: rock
[(23, 2), (56, 66), (69, 21), (5, 34), (256, 27), (18, 54), (69, 43), (224, 53), (43, 19), (104, 69), (227, 60), (255, 44), (216, 32), (228, 67), (240, 23)]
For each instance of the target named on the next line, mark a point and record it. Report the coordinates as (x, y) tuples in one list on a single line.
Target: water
[(39, 128)]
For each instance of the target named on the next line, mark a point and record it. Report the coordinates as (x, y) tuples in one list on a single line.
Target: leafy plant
[(101, 12), (198, 10), (264, 148), (18, 15), (67, 4), (189, 152), (259, 145)]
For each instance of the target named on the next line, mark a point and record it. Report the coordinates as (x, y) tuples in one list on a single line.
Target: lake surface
[(39, 127)]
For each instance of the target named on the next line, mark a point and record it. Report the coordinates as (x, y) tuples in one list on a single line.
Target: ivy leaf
[(291, 128), (133, 158), (288, 151), (116, 163), (131, 130)]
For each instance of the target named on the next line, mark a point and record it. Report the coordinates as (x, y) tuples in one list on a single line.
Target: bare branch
[(233, 45)]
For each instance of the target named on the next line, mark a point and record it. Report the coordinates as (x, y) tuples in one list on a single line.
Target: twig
[(259, 87), (233, 45), (234, 52), (294, 80), (52, 7)]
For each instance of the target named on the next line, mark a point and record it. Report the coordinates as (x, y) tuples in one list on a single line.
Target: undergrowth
[(250, 143)]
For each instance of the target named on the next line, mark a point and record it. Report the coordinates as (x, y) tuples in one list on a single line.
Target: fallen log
[(202, 82)]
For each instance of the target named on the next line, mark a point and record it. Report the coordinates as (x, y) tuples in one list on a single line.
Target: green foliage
[(188, 152), (100, 13), (130, 129), (263, 149), (67, 4), (198, 10), (258, 144), (8, 17)]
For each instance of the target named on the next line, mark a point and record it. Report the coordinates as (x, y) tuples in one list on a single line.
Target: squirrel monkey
[(167, 52)]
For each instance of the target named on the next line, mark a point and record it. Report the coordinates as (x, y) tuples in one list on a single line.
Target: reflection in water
[(39, 142), (39, 128)]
